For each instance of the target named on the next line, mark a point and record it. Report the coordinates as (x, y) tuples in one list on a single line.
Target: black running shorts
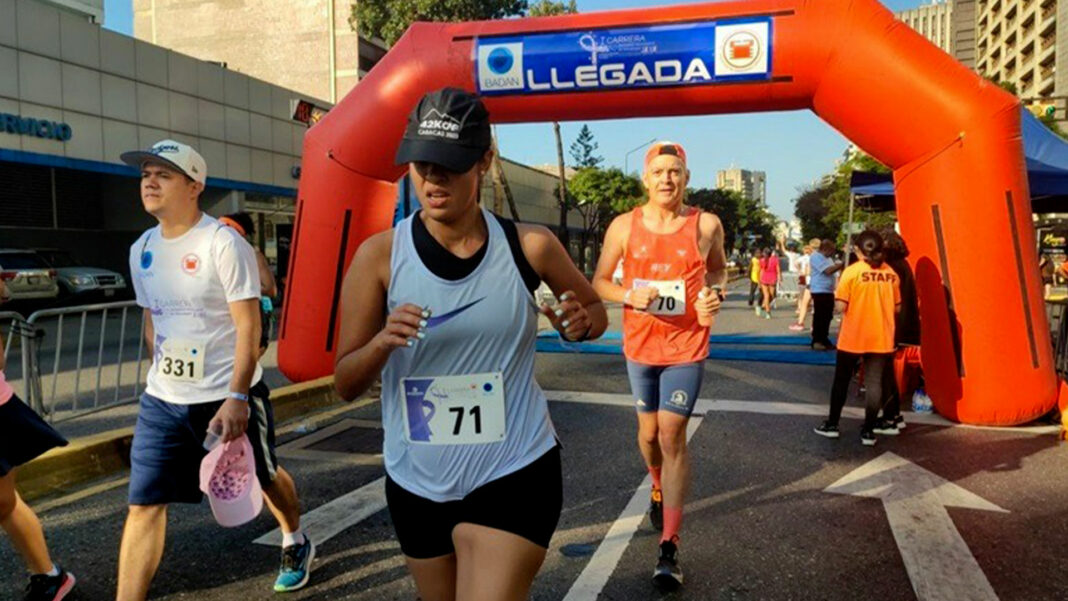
[(526, 503)]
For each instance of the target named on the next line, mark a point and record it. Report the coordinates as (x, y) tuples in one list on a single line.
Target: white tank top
[(484, 323)]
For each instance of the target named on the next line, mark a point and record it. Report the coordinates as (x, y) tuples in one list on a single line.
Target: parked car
[(27, 275), (79, 281)]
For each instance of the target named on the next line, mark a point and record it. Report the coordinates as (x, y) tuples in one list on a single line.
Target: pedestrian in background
[(24, 436), (754, 281), (243, 224), (869, 296), (906, 338), (770, 276), (822, 270), (804, 297)]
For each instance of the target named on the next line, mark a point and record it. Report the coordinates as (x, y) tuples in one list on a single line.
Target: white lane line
[(704, 406), (330, 519), (595, 575)]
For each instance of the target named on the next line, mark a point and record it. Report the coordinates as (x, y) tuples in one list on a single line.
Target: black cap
[(449, 127)]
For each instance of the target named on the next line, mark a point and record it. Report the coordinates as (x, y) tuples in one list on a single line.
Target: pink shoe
[(796, 327)]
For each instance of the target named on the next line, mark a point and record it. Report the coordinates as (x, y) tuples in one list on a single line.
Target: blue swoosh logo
[(437, 320)]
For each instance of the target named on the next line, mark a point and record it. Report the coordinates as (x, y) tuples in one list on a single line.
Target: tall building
[(962, 32), (751, 184), (90, 9), (303, 45), (932, 21), (1017, 43)]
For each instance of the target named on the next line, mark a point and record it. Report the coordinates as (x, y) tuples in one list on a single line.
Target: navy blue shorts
[(168, 446), (23, 435), (671, 388)]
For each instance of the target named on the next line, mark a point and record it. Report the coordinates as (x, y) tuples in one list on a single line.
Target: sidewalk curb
[(92, 457)]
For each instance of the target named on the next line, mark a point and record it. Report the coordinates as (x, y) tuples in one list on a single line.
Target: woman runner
[(672, 258), (441, 306)]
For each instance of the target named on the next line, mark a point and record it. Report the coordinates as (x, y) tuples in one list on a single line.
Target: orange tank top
[(667, 333)]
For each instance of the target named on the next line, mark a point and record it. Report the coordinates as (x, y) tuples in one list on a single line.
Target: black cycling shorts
[(526, 503)]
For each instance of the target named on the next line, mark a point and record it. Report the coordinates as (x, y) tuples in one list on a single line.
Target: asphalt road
[(759, 524)]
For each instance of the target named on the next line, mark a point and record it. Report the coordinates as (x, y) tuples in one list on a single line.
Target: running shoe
[(668, 575), (796, 327), (827, 429), (867, 438), (899, 422), (757, 311), (43, 587), (885, 427), (656, 509), (767, 314), (296, 567)]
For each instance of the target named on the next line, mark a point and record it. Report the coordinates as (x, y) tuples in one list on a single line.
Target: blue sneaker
[(296, 567)]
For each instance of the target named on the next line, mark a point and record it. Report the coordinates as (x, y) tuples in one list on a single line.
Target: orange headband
[(233, 224), (659, 148)]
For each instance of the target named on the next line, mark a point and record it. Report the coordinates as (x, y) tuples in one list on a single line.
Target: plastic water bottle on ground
[(921, 403)]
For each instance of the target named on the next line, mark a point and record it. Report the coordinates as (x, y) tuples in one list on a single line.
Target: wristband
[(238, 396)]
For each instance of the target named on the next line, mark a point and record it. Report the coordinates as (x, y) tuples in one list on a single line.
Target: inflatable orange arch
[(952, 139)]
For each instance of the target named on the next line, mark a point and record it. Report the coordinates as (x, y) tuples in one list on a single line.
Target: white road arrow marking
[(938, 561)]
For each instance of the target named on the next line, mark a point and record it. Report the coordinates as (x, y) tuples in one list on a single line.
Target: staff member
[(23, 437), (442, 307), (198, 284), (869, 296), (672, 257)]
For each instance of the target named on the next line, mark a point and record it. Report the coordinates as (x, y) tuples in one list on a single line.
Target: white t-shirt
[(187, 283), (802, 264), (792, 259)]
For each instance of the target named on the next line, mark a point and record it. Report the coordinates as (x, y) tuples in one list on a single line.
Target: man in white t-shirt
[(199, 286)]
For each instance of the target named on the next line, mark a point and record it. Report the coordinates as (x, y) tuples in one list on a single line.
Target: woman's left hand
[(569, 317)]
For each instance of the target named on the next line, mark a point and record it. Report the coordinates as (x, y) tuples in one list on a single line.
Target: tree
[(583, 149), (389, 19), (548, 8), (599, 195), (726, 204), (809, 207), (826, 219)]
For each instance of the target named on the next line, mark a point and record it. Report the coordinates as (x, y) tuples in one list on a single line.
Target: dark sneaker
[(668, 574), (885, 427), (867, 438), (827, 429), (43, 587), (899, 422), (296, 567), (656, 509)]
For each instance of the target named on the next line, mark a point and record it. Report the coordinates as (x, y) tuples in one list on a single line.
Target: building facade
[(1017, 43), (303, 45), (932, 21), (751, 184), (962, 32), (73, 96)]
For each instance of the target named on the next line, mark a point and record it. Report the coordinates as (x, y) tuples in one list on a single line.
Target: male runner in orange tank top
[(674, 272)]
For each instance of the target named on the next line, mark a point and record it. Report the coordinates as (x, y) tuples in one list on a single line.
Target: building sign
[(306, 112), (40, 128), (683, 54)]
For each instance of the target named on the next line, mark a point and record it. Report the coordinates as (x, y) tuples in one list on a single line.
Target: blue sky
[(794, 148)]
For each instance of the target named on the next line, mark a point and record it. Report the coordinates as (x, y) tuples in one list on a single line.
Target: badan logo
[(500, 66), (436, 123), (191, 263)]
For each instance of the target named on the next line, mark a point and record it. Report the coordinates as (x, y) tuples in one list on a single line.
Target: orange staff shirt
[(872, 295)]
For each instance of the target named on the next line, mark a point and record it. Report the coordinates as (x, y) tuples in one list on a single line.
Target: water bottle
[(921, 403), (213, 437)]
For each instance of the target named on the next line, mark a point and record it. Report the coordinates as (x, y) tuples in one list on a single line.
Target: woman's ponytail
[(871, 246)]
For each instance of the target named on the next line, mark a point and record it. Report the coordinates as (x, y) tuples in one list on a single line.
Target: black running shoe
[(668, 574), (827, 429), (867, 438), (885, 427), (899, 422), (656, 509), (43, 587)]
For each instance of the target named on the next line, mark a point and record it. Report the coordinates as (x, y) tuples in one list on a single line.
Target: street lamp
[(626, 157)]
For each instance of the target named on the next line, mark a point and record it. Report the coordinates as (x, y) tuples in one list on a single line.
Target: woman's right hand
[(640, 298), (404, 326)]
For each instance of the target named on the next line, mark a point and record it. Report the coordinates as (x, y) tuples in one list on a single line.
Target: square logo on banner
[(743, 49), (500, 66)]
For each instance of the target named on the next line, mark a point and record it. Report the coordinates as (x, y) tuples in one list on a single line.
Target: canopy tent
[(1046, 156)]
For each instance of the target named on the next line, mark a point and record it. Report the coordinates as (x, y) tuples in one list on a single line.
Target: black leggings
[(874, 365), (754, 289), (823, 311)]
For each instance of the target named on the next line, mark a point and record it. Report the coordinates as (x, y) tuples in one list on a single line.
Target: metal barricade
[(58, 390)]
